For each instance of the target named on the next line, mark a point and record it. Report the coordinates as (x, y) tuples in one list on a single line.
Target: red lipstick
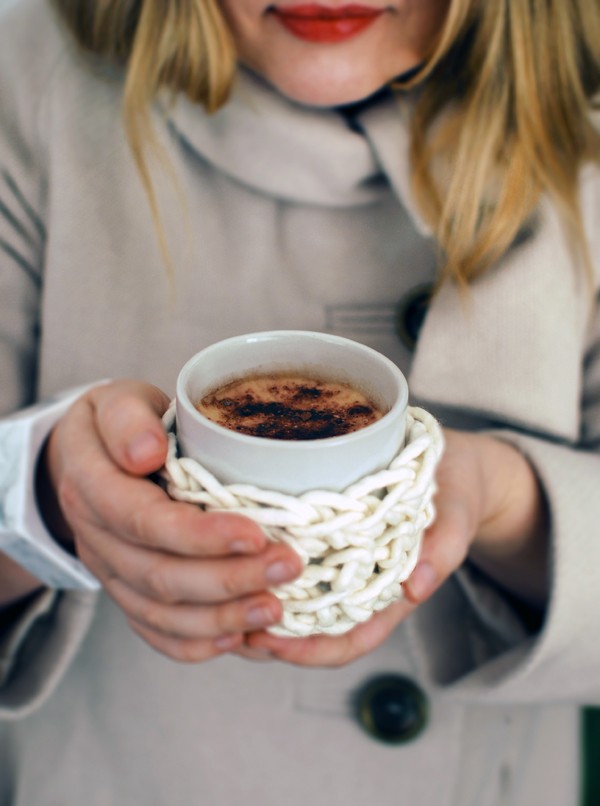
[(317, 23)]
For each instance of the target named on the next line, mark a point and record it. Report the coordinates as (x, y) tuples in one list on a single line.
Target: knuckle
[(166, 518), (69, 496), (111, 397), (191, 651), (226, 620), (158, 581), (231, 583), (137, 524), (118, 404), (153, 615), (154, 524)]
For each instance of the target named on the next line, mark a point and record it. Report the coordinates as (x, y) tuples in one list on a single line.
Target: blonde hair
[(502, 112), (504, 117)]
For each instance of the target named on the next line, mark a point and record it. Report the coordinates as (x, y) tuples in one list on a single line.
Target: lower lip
[(321, 27)]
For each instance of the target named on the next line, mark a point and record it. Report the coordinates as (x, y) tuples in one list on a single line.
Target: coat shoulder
[(33, 39)]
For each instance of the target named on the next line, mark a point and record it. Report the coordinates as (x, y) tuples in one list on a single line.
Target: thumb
[(128, 419), (445, 547)]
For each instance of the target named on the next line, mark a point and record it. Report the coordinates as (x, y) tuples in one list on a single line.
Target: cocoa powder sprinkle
[(289, 407)]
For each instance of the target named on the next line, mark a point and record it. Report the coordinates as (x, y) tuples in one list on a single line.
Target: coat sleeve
[(38, 639), (502, 659)]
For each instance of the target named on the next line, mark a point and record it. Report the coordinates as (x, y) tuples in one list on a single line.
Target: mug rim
[(183, 398)]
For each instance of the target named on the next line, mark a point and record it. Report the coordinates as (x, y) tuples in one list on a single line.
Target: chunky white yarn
[(358, 546)]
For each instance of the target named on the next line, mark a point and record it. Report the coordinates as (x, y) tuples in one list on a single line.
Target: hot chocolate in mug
[(291, 465)]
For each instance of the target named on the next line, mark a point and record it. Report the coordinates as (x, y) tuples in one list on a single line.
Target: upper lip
[(316, 10)]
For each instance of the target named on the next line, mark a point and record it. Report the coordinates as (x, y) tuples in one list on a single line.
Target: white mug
[(292, 466)]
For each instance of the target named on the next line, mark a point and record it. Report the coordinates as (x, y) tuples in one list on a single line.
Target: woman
[(278, 193)]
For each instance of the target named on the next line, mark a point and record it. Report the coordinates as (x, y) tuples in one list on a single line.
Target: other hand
[(490, 507)]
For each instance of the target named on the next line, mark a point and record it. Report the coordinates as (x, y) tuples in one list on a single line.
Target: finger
[(128, 419), (94, 490), (445, 547), (172, 579), (332, 651), (187, 651), (141, 513), (260, 655), (185, 621)]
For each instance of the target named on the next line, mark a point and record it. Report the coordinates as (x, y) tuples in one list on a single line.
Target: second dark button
[(411, 312), (392, 708)]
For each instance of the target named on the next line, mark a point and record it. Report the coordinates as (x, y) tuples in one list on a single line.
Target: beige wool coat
[(293, 218)]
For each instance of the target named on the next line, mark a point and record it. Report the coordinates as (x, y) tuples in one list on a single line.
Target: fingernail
[(240, 547), (260, 616), (422, 581), (143, 447), (280, 571)]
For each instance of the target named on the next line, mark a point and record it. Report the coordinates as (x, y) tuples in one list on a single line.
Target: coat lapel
[(510, 351)]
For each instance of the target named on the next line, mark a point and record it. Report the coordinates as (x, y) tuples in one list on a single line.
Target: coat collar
[(510, 352), (386, 128), (275, 146)]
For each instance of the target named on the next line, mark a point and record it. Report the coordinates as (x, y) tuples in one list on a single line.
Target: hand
[(189, 583), (489, 506)]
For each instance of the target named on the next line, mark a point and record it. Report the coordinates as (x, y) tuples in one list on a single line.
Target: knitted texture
[(358, 546)]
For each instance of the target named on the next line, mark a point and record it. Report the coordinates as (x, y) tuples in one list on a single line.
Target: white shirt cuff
[(23, 534)]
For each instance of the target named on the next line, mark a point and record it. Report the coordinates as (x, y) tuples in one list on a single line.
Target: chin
[(321, 79), (326, 91), (327, 97)]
